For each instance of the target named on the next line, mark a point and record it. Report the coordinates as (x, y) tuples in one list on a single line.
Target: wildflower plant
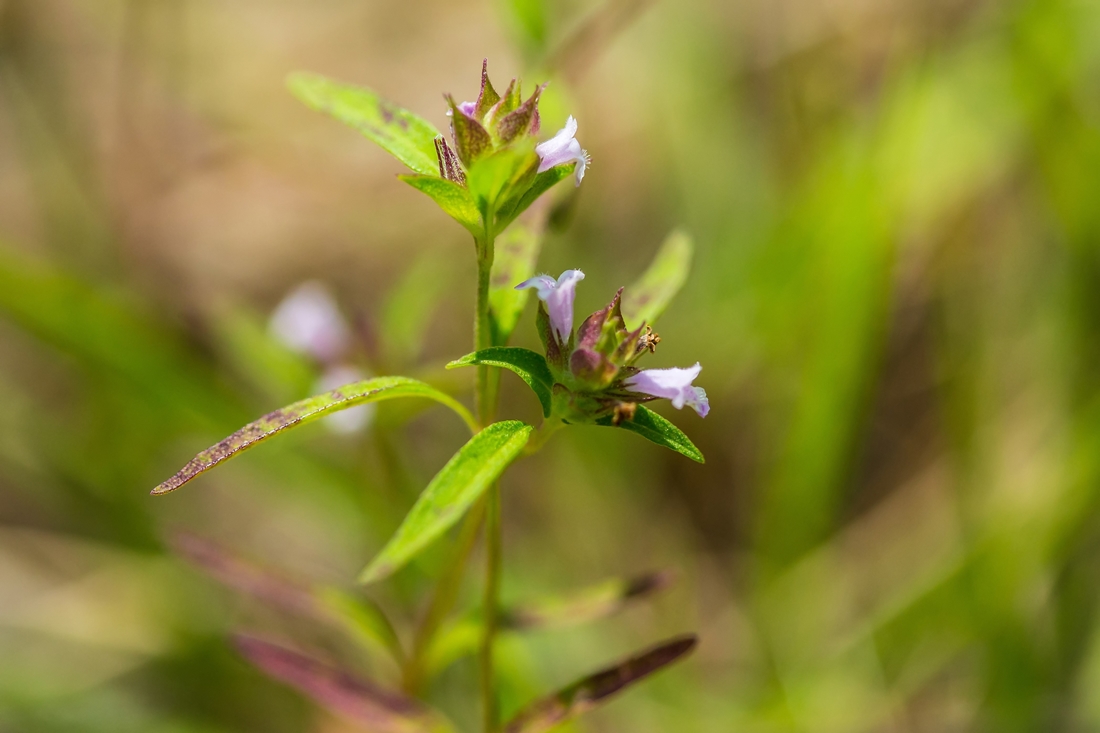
[(485, 172)]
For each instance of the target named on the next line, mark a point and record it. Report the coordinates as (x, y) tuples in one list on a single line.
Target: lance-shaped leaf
[(646, 299), (529, 365), (360, 617), (517, 251), (501, 176), (404, 135), (453, 490), (652, 426), (454, 199), (587, 604), (305, 411), (596, 689), (357, 700)]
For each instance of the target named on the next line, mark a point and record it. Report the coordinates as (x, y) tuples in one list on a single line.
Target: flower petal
[(558, 296), (673, 384)]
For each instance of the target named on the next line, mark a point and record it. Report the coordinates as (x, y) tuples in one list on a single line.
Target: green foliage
[(453, 490), (595, 690), (516, 253), (366, 622), (646, 299), (306, 411), (399, 132), (455, 200), (528, 365), (655, 428)]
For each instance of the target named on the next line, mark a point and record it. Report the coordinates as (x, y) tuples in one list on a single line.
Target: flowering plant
[(487, 173)]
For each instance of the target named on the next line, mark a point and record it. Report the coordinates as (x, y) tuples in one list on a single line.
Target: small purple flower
[(558, 296), (563, 148), (309, 322), (673, 384)]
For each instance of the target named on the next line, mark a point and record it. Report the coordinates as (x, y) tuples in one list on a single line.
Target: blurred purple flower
[(563, 148), (673, 384), (309, 321), (558, 296)]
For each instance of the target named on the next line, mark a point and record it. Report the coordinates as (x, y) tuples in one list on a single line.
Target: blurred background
[(895, 299)]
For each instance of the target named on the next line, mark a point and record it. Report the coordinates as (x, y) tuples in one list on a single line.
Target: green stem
[(483, 336), (493, 562)]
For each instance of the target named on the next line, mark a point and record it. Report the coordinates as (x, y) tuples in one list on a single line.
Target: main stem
[(486, 405)]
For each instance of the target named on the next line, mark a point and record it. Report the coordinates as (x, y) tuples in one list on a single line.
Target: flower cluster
[(496, 121), (593, 367)]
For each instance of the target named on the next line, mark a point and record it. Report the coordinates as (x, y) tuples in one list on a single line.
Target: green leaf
[(517, 251), (455, 200), (355, 699), (407, 311), (501, 176), (529, 365), (453, 490), (404, 135), (521, 200), (363, 619), (596, 689), (587, 604), (647, 298), (652, 426), (305, 411)]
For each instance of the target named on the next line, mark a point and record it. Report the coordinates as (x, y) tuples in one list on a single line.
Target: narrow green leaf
[(352, 698), (596, 689), (652, 426), (453, 490), (517, 251), (455, 200), (404, 135), (647, 298), (529, 365), (363, 619), (305, 411), (500, 177), (587, 604)]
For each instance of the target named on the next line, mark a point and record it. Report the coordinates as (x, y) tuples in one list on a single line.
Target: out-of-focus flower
[(673, 384), (353, 419), (558, 296), (309, 321), (563, 148)]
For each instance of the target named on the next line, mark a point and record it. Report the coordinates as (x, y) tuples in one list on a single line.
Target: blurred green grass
[(895, 299)]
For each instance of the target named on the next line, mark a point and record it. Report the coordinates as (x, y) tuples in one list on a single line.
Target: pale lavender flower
[(309, 321), (563, 148), (673, 384), (558, 296), (353, 419)]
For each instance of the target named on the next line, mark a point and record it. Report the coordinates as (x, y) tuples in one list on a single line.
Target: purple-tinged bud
[(521, 121), (488, 96), (471, 139), (563, 148), (673, 384), (558, 296)]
